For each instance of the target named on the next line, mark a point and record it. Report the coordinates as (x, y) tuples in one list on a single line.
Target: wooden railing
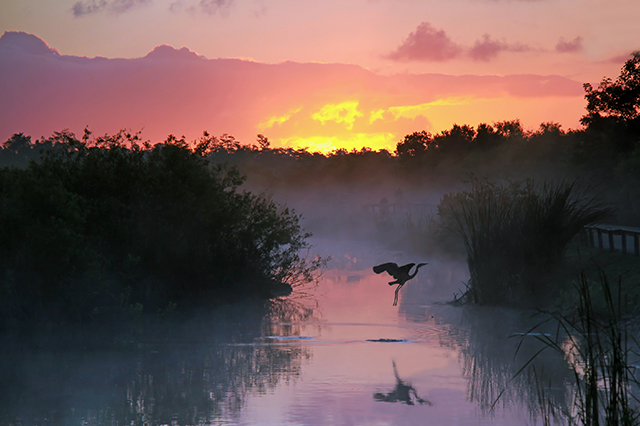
[(613, 237)]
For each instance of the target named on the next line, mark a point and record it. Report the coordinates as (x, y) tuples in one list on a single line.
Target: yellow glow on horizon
[(412, 111), (383, 126), (345, 112), (326, 144), (277, 119)]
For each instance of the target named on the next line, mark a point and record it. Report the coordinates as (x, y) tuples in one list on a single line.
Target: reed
[(597, 346), (515, 235)]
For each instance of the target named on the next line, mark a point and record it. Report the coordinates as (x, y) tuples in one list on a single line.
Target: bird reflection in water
[(400, 273), (403, 392)]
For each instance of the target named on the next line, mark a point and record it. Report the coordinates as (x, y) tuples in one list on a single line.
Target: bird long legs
[(395, 300)]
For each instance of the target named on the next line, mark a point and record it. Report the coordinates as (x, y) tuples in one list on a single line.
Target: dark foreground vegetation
[(107, 225)]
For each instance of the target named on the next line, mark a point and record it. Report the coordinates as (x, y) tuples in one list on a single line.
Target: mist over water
[(335, 352)]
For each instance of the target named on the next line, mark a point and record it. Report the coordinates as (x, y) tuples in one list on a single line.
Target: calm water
[(337, 354)]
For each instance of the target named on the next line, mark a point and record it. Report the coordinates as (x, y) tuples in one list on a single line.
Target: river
[(336, 353)]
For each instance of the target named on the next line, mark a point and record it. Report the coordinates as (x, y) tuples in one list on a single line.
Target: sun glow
[(345, 112), (381, 123), (273, 120), (326, 145), (412, 111)]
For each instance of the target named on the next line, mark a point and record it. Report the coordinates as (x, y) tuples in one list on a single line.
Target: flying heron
[(400, 273)]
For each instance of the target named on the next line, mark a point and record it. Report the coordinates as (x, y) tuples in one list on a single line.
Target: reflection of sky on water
[(312, 361), (345, 370)]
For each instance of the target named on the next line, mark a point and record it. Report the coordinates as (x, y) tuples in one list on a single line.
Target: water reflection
[(486, 340), (199, 371), (402, 392), (321, 358), (494, 349)]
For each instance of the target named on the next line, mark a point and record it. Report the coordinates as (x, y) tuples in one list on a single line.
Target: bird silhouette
[(400, 273)]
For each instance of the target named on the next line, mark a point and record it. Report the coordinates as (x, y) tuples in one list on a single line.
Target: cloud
[(90, 7), (426, 43), (207, 7), (212, 7), (120, 6), (574, 45), (27, 43), (166, 52), (619, 59), (487, 49)]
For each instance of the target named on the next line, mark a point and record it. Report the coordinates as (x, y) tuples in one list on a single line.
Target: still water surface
[(336, 354)]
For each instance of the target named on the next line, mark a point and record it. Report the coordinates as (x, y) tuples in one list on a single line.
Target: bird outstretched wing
[(397, 272), (390, 267)]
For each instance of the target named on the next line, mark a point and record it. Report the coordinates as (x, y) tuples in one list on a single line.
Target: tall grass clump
[(515, 235), (597, 346)]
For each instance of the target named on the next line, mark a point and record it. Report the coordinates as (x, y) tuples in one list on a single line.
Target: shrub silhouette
[(95, 219)]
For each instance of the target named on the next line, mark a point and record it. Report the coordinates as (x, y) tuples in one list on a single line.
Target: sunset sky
[(325, 75)]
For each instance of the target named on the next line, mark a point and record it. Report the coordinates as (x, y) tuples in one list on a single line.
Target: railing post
[(623, 235), (611, 246), (599, 231), (636, 244)]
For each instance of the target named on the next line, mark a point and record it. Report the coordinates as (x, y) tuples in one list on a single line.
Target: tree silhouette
[(619, 99), (414, 145)]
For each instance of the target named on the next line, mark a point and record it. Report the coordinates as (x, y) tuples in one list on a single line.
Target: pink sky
[(326, 75)]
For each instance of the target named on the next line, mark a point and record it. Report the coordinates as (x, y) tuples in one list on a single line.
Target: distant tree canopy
[(106, 221)]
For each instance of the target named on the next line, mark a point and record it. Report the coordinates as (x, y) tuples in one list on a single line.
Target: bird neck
[(414, 272)]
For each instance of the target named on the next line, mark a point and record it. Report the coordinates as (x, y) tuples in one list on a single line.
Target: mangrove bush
[(107, 223)]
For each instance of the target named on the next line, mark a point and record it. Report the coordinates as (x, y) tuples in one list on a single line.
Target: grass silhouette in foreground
[(597, 345)]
